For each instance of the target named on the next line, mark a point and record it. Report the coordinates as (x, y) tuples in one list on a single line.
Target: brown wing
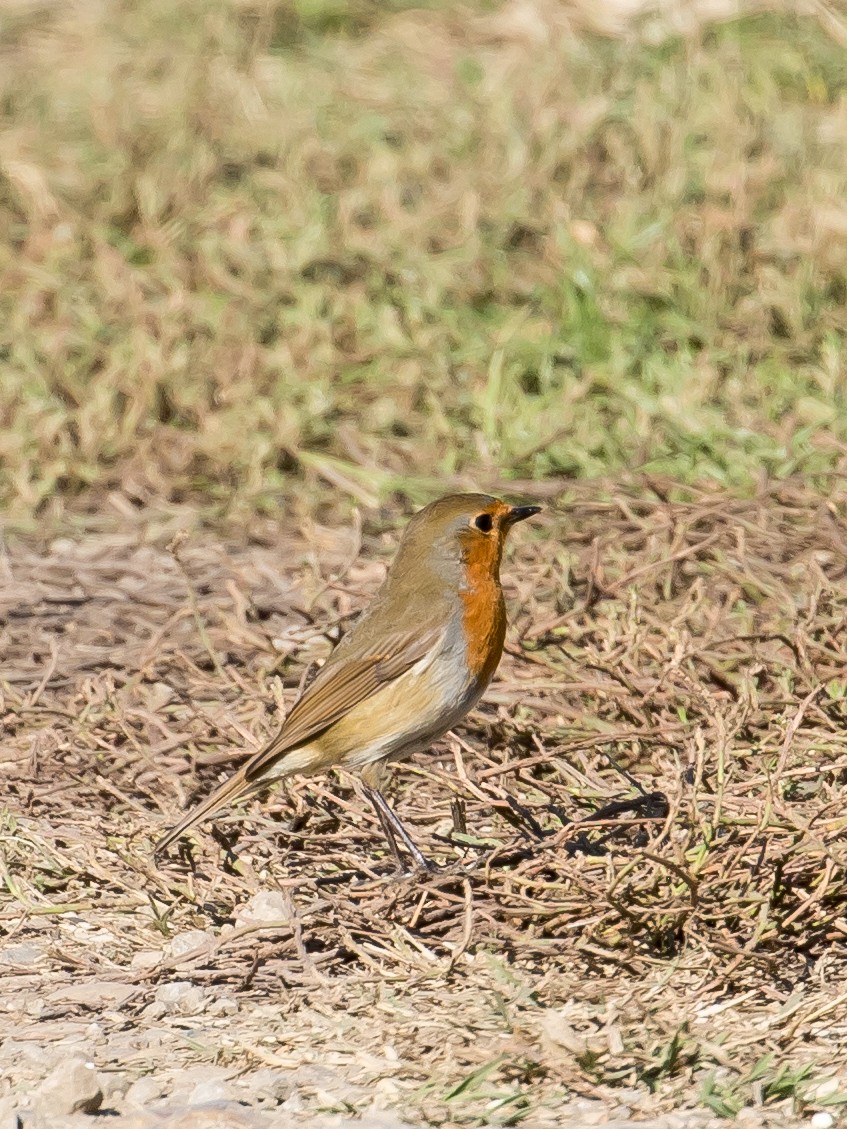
[(341, 685), (350, 676)]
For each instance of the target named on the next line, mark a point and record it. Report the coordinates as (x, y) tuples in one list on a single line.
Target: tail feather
[(237, 785)]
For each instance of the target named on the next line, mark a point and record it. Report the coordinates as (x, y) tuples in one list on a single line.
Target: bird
[(417, 659)]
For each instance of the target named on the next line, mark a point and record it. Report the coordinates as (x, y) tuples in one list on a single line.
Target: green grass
[(340, 242)]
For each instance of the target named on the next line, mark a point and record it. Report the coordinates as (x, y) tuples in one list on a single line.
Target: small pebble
[(115, 1085), (181, 997), (73, 1087), (22, 954), (215, 1090), (186, 1082), (144, 1091), (189, 941), (8, 1113), (266, 906), (293, 1103), (146, 958), (822, 1120), (267, 1085)]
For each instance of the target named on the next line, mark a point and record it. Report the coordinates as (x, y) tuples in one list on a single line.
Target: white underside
[(450, 693), (435, 693)]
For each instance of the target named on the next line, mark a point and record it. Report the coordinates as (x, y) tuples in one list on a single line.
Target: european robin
[(416, 660)]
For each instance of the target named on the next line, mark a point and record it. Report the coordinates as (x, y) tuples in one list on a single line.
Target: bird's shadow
[(647, 805)]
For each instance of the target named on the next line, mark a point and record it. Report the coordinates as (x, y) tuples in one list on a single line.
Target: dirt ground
[(643, 916)]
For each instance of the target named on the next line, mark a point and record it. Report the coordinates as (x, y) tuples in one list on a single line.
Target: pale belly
[(401, 719)]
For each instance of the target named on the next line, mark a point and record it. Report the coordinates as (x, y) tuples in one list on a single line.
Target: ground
[(655, 925), (273, 274)]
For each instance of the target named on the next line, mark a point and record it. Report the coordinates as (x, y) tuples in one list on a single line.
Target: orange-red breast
[(417, 659)]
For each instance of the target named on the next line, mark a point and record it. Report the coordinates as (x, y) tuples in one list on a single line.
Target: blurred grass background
[(251, 248)]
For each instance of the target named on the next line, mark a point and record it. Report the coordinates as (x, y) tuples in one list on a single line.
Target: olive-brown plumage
[(417, 659)]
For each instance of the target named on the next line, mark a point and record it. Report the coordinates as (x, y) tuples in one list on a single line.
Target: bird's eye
[(484, 522)]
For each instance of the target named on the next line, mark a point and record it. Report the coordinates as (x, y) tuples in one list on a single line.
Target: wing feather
[(351, 674), (343, 683)]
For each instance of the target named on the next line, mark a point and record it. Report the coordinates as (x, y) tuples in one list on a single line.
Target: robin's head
[(460, 533)]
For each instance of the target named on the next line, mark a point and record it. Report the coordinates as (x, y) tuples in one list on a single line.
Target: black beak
[(521, 513)]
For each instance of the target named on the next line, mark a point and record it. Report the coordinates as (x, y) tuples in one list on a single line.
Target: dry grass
[(271, 249), (662, 914), (263, 264)]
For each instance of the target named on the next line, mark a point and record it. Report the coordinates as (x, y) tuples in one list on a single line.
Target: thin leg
[(388, 832), (391, 824)]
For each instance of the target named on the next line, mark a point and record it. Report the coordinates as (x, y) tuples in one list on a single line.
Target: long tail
[(237, 785)]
